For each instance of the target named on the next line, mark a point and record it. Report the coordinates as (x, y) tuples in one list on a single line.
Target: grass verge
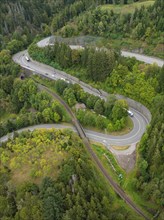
[(120, 147), (126, 181)]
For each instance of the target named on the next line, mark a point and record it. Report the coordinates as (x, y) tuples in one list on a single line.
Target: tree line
[(138, 25), (104, 69), (110, 114), (150, 168), (48, 17), (21, 21), (29, 105), (98, 63)]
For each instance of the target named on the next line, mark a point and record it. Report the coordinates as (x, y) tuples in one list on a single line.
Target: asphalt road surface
[(84, 138), (139, 119), (140, 57), (143, 58), (134, 136)]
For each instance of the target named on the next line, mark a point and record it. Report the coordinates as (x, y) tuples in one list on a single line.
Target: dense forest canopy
[(150, 172), (48, 175), (143, 25), (20, 22), (27, 105)]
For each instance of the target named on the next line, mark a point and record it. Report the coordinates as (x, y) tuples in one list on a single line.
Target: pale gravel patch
[(126, 158)]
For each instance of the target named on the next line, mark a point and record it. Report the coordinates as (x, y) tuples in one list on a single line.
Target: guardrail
[(137, 106), (132, 103), (94, 157)]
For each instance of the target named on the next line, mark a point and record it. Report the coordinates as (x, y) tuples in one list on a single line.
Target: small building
[(80, 106)]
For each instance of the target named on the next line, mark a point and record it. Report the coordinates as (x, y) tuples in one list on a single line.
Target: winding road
[(94, 157), (139, 119), (141, 57), (128, 139)]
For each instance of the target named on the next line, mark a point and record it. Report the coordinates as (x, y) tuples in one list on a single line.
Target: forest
[(141, 29), (105, 69), (47, 174), (21, 21), (68, 185), (23, 101)]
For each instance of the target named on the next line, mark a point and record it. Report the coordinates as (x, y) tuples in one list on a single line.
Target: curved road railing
[(43, 68), (82, 134), (49, 41)]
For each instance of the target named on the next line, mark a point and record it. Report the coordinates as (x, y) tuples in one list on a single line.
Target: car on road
[(27, 58), (53, 75), (130, 113), (46, 74)]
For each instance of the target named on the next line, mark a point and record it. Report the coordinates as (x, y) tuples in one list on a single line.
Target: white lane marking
[(122, 139), (143, 116), (88, 89), (108, 138)]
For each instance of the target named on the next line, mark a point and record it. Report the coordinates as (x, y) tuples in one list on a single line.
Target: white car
[(130, 113), (27, 58)]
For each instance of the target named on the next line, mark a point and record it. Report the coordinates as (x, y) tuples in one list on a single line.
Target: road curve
[(33, 127), (139, 119), (84, 138), (132, 137), (94, 157), (141, 57)]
